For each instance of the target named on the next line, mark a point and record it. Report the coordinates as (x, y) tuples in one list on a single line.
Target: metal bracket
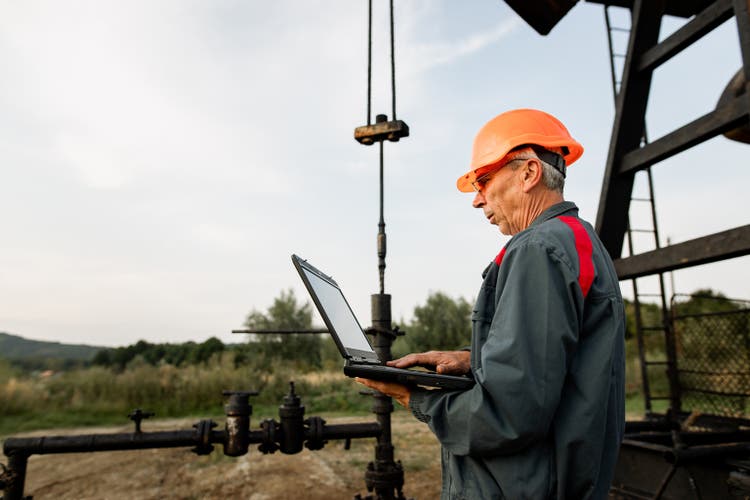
[(203, 430), (268, 427), (392, 334), (315, 439), (380, 131)]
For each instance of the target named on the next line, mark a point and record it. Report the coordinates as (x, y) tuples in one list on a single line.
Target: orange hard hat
[(512, 129)]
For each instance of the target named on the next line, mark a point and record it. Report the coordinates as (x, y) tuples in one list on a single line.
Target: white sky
[(161, 160)]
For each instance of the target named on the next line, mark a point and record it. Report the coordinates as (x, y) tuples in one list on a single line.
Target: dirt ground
[(327, 474)]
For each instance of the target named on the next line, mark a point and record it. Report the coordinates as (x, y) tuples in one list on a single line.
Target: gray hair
[(551, 177)]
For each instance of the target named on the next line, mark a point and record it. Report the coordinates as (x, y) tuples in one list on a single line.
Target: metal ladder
[(642, 330)]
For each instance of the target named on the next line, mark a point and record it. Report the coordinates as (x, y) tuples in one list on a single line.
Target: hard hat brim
[(575, 150)]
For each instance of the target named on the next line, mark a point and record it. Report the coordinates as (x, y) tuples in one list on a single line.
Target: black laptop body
[(352, 342)]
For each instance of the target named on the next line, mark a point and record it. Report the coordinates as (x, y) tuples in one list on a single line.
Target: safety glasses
[(481, 181)]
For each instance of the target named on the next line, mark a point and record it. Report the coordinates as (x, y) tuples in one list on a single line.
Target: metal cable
[(381, 230), (369, 60), (393, 68)]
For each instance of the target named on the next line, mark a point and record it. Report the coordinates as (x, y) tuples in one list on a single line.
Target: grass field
[(97, 400)]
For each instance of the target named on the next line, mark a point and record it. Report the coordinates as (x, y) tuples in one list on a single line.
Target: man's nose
[(478, 200)]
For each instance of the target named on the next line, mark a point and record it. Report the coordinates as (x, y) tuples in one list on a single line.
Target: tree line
[(187, 353), (441, 323)]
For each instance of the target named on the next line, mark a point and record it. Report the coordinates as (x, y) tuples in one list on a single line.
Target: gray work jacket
[(546, 416)]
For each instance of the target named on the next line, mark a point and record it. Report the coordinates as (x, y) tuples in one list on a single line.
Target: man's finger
[(406, 361)]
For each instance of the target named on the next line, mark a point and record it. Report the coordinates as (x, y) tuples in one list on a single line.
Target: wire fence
[(713, 354)]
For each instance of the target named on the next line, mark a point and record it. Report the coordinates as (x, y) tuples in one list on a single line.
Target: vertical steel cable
[(393, 67), (369, 59), (381, 230)]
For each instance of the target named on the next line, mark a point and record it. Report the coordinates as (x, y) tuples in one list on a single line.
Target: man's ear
[(531, 175)]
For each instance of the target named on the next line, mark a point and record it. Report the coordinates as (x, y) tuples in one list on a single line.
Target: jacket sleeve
[(524, 350)]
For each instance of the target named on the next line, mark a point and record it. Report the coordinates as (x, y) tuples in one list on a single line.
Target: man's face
[(499, 198)]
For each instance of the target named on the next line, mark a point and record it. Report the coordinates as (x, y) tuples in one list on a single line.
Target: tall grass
[(99, 395)]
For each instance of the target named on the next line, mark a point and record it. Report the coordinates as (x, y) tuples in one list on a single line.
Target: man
[(546, 415)]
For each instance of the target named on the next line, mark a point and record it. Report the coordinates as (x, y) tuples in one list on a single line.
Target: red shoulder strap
[(585, 250), (499, 258)]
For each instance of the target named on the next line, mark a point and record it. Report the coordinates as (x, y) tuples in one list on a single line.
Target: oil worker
[(547, 413)]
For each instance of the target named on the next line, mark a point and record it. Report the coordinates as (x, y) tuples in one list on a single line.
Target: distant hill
[(15, 348)]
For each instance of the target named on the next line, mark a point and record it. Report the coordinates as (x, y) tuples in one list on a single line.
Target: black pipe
[(100, 442), (691, 439), (46, 445), (17, 476), (385, 476), (680, 456), (202, 437), (352, 431), (635, 426)]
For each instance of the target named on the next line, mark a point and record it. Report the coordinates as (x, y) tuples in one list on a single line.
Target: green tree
[(704, 301), (442, 323), (202, 352), (284, 314)]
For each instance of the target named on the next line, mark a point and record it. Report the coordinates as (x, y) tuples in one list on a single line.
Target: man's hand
[(399, 392), (447, 362)]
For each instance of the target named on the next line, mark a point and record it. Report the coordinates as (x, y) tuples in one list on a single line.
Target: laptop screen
[(339, 313)]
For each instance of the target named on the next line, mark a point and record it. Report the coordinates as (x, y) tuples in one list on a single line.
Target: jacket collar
[(556, 210)]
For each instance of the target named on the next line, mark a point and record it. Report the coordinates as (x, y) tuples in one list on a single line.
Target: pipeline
[(289, 436)]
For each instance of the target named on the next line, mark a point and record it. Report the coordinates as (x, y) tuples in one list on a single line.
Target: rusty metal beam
[(679, 8), (721, 120), (702, 24), (742, 14), (720, 246)]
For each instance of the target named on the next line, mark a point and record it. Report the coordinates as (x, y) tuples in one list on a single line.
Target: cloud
[(174, 153), (422, 57), (97, 166)]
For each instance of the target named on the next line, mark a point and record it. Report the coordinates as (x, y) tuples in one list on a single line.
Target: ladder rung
[(621, 56), (659, 398), (641, 230), (617, 28), (641, 199), (649, 295), (658, 363), (653, 328)]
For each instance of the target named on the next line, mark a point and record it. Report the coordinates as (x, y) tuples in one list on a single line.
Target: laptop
[(352, 342)]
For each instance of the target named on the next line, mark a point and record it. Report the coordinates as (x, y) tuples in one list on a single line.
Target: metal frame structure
[(677, 454), (627, 155), (630, 153)]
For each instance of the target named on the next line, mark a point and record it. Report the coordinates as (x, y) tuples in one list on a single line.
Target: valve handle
[(138, 415)]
